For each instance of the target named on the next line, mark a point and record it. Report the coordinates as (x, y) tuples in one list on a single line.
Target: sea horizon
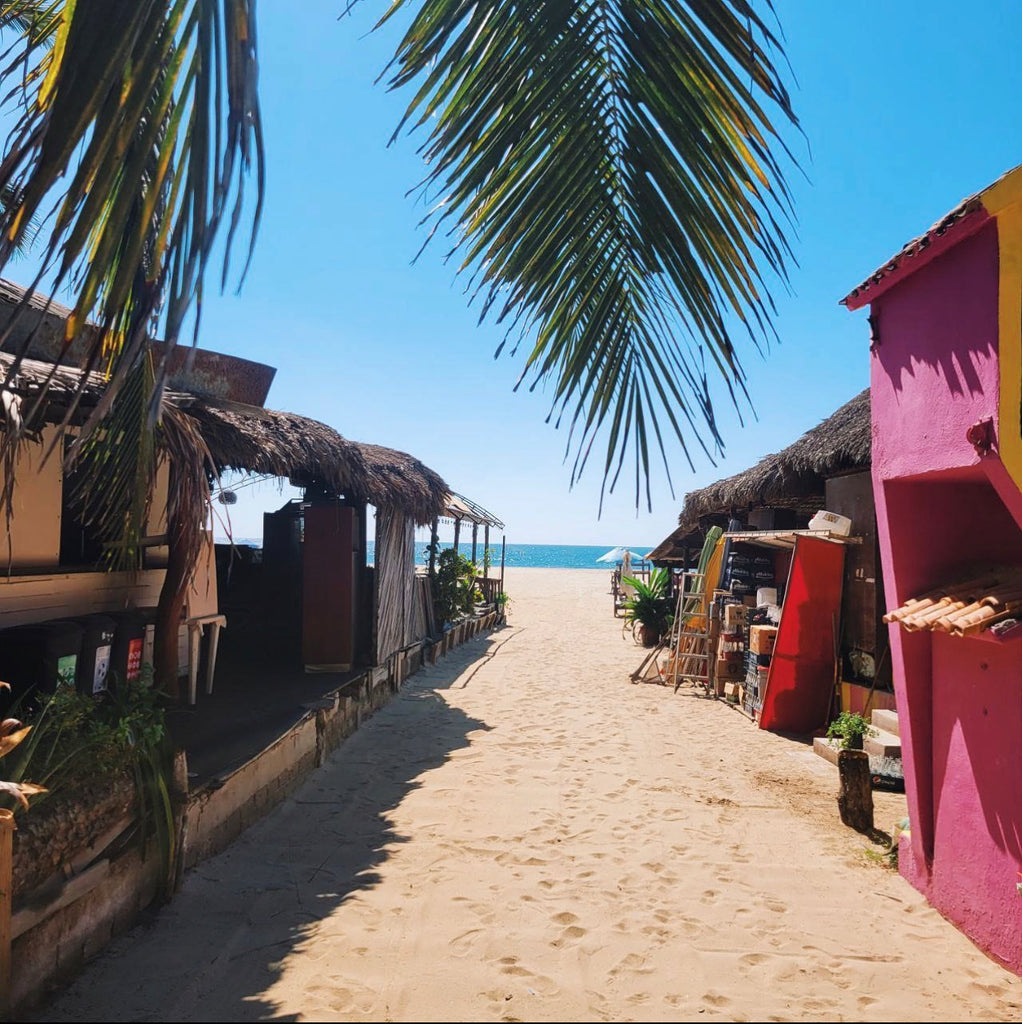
[(523, 556)]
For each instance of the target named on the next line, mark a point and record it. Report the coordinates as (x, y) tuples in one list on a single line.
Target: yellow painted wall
[(33, 541)]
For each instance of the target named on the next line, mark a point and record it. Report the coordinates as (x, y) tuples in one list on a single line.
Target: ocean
[(530, 556)]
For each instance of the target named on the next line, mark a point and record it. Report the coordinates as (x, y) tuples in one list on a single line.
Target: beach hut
[(314, 567), (826, 468), (945, 321), (347, 613)]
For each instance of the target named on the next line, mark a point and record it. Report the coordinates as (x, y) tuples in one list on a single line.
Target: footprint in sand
[(715, 999), (462, 944)]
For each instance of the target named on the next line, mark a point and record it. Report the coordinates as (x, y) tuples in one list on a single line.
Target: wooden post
[(855, 800), (434, 542), (503, 549), (7, 827), (457, 534), (486, 550), (173, 595), (475, 538)]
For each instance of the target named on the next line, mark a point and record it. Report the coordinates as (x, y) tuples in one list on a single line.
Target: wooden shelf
[(786, 538)]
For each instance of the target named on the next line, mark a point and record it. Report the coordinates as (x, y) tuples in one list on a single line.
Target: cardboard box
[(761, 639), (729, 669), (735, 616)]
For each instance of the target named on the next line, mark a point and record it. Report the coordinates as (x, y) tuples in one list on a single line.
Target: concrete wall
[(943, 506), (108, 896)]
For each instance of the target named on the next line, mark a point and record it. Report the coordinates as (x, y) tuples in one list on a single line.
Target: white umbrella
[(617, 554)]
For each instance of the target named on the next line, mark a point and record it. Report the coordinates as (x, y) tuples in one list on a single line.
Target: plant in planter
[(455, 585), (649, 611), (850, 727)]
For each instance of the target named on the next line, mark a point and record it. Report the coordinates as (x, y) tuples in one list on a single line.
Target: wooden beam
[(475, 538), (457, 534)]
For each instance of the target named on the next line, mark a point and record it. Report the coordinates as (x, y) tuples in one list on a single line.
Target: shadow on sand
[(215, 951)]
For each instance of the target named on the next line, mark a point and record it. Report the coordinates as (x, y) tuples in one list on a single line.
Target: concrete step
[(827, 748), (885, 720), (882, 743)]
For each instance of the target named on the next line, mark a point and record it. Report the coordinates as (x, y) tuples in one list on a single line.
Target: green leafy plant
[(13, 734), (456, 588), (650, 607), (76, 739), (850, 727)]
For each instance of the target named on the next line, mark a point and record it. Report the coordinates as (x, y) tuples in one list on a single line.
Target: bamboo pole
[(7, 827)]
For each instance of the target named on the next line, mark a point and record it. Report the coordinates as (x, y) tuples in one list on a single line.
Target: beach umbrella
[(614, 555)]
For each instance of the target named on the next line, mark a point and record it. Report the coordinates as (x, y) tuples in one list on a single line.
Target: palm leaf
[(610, 176), (138, 127)]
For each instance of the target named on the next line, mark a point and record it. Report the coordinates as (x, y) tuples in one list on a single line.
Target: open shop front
[(775, 625)]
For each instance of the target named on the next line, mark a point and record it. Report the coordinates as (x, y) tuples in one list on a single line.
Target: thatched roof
[(793, 478), (255, 440), (308, 452)]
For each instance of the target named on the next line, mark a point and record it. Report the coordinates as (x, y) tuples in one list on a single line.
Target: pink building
[(946, 380)]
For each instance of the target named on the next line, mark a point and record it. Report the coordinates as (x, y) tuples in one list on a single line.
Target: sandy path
[(530, 837)]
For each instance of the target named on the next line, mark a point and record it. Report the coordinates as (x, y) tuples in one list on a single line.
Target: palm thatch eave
[(310, 453), (250, 439)]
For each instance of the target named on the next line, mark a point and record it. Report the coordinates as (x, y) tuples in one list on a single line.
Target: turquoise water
[(553, 556), (532, 556)]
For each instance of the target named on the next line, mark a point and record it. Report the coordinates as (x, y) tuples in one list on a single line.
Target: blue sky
[(907, 107)]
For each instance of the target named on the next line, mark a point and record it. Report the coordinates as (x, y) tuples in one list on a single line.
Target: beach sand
[(524, 835)]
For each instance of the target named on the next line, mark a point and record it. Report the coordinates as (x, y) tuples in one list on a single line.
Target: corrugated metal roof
[(460, 507)]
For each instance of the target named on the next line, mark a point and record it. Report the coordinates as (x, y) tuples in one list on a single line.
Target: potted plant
[(850, 727), (649, 611)]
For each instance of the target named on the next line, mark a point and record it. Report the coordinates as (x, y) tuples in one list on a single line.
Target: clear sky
[(907, 106)]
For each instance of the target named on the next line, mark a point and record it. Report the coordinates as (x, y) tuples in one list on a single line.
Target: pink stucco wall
[(941, 506)]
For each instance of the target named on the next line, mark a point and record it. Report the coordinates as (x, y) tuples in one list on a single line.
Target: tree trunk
[(855, 800), (172, 602)]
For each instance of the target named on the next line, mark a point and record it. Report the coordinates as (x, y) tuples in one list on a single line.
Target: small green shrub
[(456, 589), (850, 727)]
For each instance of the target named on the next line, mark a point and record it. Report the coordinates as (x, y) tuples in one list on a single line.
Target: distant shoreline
[(517, 556)]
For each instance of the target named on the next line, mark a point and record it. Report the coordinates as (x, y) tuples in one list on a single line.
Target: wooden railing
[(490, 588)]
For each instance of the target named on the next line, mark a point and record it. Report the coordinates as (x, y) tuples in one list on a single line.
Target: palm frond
[(609, 174), (113, 471), (138, 127)]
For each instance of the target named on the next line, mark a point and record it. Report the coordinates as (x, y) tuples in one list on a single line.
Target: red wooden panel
[(327, 602), (801, 678)]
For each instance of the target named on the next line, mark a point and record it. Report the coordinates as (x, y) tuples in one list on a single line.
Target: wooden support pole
[(855, 800), (475, 539), (503, 550), (486, 550), (7, 827), (434, 543), (457, 534)]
